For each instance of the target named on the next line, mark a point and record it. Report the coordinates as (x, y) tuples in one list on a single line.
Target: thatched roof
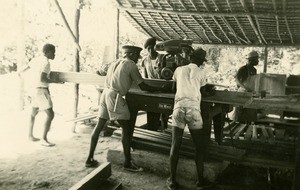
[(228, 22)]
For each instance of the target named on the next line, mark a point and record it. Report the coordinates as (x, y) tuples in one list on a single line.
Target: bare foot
[(47, 143), (33, 139)]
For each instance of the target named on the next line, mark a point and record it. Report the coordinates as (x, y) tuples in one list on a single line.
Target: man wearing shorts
[(188, 79), (41, 99), (120, 76)]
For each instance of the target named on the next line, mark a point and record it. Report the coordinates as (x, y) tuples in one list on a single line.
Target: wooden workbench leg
[(296, 183)]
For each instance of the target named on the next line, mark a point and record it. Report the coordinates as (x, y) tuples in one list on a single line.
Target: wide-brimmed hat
[(253, 54), (199, 53), (150, 41)]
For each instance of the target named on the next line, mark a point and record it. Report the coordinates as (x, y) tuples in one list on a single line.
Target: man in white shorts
[(41, 99), (188, 79), (120, 76)]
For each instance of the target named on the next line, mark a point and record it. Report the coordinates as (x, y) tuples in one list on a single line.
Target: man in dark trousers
[(151, 68), (120, 76), (188, 79)]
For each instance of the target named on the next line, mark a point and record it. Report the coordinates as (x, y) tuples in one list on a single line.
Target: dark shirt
[(244, 72)]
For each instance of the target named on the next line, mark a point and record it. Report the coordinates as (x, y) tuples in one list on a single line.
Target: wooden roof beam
[(160, 27), (187, 13), (169, 25), (247, 41), (277, 21), (193, 3), (188, 28), (182, 4), (207, 8), (204, 31), (257, 24), (142, 26), (227, 24), (286, 22), (251, 21), (211, 31)]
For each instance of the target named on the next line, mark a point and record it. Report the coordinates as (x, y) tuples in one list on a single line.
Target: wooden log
[(254, 133), (248, 133), (78, 77), (95, 178), (270, 134), (242, 128)]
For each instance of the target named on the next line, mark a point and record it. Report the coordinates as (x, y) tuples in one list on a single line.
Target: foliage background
[(43, 24)]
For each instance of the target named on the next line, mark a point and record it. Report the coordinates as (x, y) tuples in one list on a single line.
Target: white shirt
[(38, 66), (189, 79)]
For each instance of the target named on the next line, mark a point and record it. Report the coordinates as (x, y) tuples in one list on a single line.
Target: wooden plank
[(78, 77), (240, 131), (96, 177), (78, 119), (285, 102), (264, 133), (248, 133), (270, 134), (254, 133)]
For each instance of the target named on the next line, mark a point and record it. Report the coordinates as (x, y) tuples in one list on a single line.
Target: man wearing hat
[(241, 78), (188, 81), (120, 76), (246, 71), (151, 68)]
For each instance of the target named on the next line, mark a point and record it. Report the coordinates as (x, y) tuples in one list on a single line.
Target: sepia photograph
[(150, 95)]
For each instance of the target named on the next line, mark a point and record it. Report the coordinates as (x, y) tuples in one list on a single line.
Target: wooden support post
[(265, 59), (96, 177), (21, 51)]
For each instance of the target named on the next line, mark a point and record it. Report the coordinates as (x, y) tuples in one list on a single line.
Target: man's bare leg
[(90, 162), (34, 112), (49, 117)]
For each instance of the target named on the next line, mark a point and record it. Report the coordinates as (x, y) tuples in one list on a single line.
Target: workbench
[(211, 106)]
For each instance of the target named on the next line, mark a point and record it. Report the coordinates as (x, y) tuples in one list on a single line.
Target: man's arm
[(241, 84), (45, 79)]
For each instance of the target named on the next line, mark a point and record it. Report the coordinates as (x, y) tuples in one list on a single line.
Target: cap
[(132, 49), (199, 53), (253, 54), (150, 41)]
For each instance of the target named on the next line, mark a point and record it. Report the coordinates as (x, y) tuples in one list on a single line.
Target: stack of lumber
[(230, 150), (261, 138), (161, 142)]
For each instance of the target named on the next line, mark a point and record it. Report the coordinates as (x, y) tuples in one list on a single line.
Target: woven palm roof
[(227, 22)]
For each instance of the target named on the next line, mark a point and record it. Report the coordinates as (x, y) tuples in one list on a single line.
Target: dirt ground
[(27, 165)]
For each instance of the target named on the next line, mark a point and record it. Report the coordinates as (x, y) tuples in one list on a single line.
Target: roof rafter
[(286, 22), (204, 31), (227, 23), (247, 41), (159, 26), (277, 21), (251, 21), (187, 27), (131, 17), (187, 13), (215, 20), (169, 24), (257, 24)]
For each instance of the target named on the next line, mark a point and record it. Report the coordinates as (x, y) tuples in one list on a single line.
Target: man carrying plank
[(41, 99), (120, 76)]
